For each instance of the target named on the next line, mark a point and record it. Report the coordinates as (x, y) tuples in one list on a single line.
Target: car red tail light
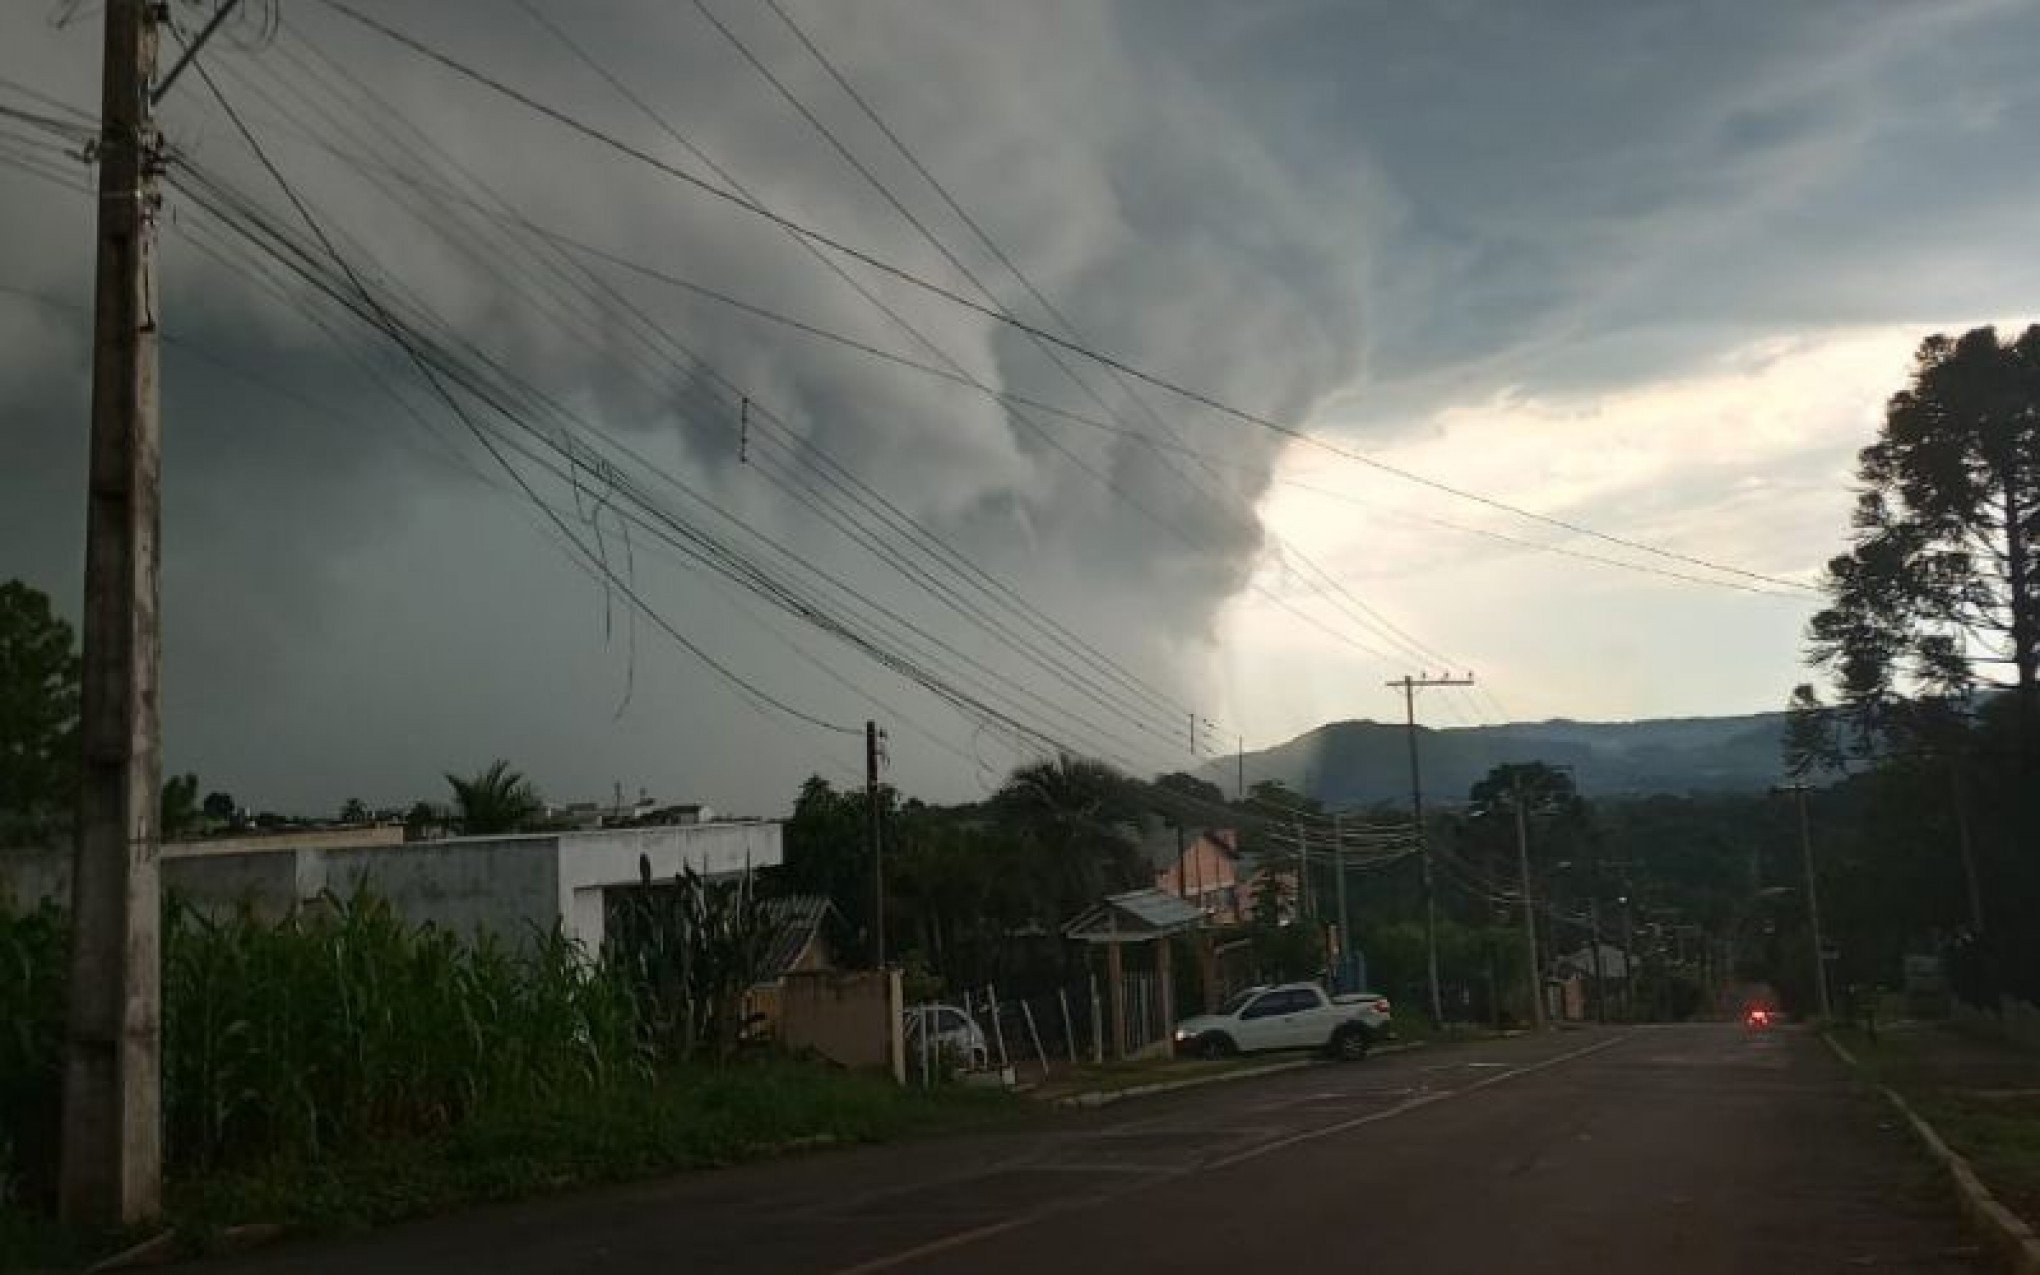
[(1381, 1004)]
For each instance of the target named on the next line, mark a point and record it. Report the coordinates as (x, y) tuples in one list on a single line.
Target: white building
[(509, 885)]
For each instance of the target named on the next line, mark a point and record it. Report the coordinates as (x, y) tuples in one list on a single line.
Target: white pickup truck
[(1289, 1016)]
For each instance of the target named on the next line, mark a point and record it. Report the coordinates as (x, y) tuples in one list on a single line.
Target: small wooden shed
[(1137, 916)]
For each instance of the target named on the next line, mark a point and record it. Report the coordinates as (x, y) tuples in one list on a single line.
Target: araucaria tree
[(1939, 593)]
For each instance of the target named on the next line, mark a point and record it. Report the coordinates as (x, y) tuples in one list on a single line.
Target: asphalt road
[(1660, 1149)]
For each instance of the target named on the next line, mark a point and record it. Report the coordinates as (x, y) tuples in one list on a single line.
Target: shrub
[(34, 950)]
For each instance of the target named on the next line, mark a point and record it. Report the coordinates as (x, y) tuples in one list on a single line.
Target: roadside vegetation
[(339, 1067), (1981, 1095)]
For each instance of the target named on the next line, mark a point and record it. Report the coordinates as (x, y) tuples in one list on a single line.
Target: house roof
[(1162, 848), (1134, 916), (1614, 964), (797, 918)]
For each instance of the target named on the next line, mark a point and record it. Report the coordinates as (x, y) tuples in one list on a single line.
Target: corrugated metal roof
[(1157, 908), (797, 917), (1135, 914)]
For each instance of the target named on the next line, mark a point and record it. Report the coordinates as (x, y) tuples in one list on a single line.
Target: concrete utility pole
[(874, 841), (1535, 978), (1600, 974), (1628, 955), (1409, 687), (112, 1157), (1345, 917), (1820, 978)]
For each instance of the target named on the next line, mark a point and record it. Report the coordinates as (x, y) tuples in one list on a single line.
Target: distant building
[(801, 946), (512, 885), (1202, 867), (1571, 990), (1614, 966), (645, 812)]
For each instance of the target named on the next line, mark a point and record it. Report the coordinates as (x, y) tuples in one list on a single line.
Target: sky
[(1649, 269)]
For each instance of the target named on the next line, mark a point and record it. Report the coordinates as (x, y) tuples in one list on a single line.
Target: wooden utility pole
[(1409, 687), (1960, 792), (875, 842), (112, 1157), (1533, 975)]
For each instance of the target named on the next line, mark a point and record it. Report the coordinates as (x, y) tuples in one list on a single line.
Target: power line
[(1366, 614), (1007, 597), (964, 699), (1372, 614), (931, 288), (394, 331), (955, 370), (690, 492), (1012, 400)]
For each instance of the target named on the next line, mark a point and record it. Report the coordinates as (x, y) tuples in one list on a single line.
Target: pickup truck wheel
[(1215, 1045), (1350, 1044)]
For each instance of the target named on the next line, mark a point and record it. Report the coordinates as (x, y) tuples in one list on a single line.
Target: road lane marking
[(1407, 1105), (963, 1239), (943, 1245)]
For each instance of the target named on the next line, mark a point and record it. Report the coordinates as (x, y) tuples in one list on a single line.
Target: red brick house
[(1201, 866)]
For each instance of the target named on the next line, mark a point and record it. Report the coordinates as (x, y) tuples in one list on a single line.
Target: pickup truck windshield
[(1238, 1002)]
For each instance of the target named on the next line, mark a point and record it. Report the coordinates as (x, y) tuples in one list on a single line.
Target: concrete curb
[(1106, 1097), (2004, 1228)]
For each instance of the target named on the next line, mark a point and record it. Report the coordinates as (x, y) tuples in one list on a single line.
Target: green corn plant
[(690, 949)]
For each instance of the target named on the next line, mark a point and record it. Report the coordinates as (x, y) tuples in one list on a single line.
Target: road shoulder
[(1977, 1093)]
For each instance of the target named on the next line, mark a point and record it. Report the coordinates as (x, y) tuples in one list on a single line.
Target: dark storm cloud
[(1388, 209)]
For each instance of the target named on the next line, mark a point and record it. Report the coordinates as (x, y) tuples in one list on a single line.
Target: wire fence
[(1034, 1037)]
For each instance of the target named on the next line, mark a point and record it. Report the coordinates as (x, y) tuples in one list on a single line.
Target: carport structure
[(1136, 916)]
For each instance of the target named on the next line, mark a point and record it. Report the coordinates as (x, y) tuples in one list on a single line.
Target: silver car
[(955, 1032)]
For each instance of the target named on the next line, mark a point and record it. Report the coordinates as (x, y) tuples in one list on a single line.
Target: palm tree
[(498, 799), (178, 811), (1079, 815)]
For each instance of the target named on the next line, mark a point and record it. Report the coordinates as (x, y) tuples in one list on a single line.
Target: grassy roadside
[(1114, 1077), (1982, 1097), (691, 1119)]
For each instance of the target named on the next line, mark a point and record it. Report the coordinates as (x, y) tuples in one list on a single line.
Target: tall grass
[(336, 1027), (343, 1024), (34, 947)]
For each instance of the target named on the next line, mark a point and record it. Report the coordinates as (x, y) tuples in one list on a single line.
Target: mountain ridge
[(1361, 762)]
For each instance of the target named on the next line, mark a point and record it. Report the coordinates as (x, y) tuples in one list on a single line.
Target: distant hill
[(1359, 763)]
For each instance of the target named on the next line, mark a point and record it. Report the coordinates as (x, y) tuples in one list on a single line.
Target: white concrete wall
[(271, 883), (465, 884), (507, 885)]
